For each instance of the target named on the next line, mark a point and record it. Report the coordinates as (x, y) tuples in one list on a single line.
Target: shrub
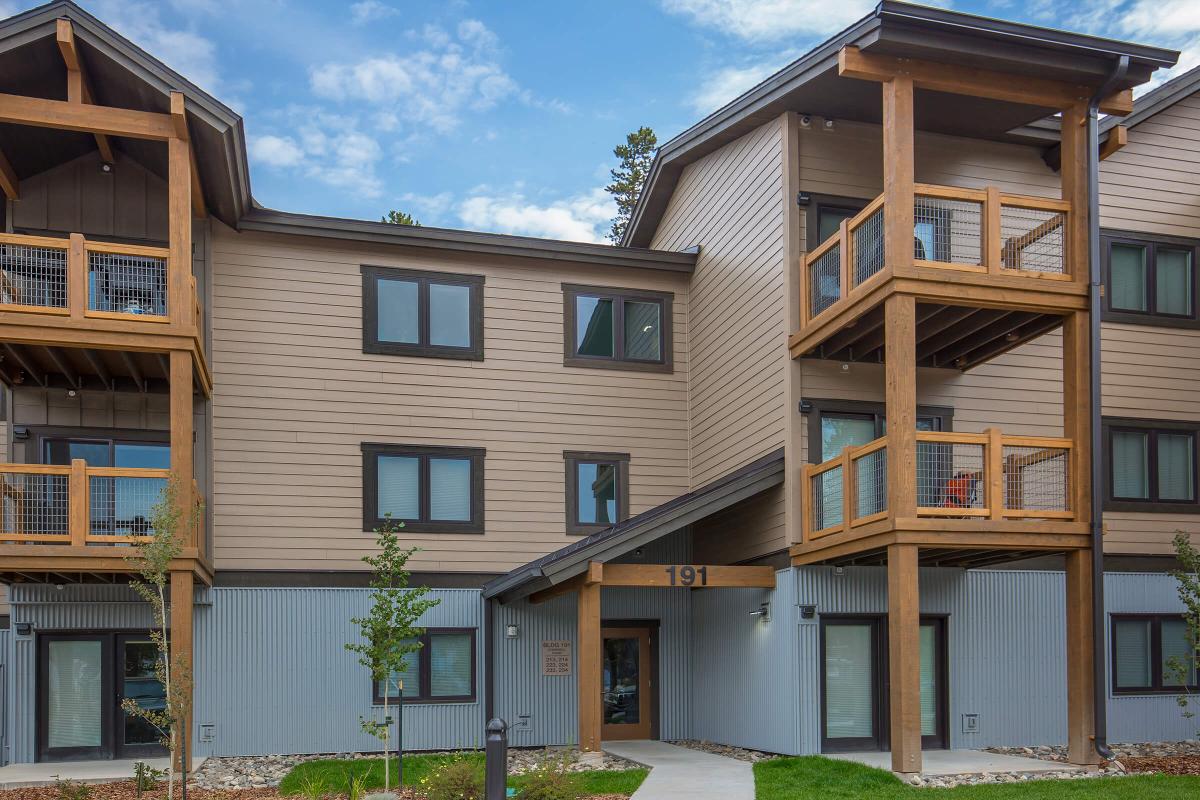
[(70, 790), (550, 780), (460, 779)]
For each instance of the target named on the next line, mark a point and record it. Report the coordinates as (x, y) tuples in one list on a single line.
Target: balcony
[(63, 519), (76, 311), (976, 493), (989, 271)]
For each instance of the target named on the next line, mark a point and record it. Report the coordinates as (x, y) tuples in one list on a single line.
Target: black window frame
[(573, 459), (1152, 243), (424, 696), (371, 275), (814, 204), (1152, 427), (619, 296), (371, 451), (815, 409), (1156, 672)]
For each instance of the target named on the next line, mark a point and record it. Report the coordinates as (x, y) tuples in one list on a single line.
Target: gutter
[(1095, 299)]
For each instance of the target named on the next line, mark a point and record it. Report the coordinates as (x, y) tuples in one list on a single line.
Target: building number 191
[(687, 575)]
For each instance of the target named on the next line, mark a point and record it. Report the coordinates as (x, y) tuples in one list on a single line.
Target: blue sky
[(502, 116)]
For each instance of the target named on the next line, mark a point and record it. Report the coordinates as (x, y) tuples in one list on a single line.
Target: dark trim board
[(815, 408), (308, 579)]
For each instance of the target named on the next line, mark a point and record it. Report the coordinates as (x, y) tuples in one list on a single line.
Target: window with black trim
[(413, 313), (429, 489), (617, 328), (597, 490), (1150, 280), (1151, 465), (1151, 653), (442, 671)]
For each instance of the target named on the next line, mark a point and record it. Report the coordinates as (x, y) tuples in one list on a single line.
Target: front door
[(82, 681), (855, 687), (626, 668)]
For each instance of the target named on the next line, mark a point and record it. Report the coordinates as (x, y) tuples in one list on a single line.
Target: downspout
[(489, 664), (1095, 299)]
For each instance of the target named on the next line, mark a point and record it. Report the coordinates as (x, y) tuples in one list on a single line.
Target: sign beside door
[(556, 657)]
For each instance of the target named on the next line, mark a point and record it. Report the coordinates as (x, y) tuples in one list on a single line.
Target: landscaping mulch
[(127, 790), (1167, 765)]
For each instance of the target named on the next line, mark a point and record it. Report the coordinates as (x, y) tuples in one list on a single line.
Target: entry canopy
[(624, 537)]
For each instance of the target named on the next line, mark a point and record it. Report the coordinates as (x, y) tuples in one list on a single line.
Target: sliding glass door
[(74, 697)]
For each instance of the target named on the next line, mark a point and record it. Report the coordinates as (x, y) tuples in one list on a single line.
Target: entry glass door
[(851, 717), (136, 656), (75, 697), (625, 669)]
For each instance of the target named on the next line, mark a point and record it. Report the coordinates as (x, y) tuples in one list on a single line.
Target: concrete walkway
[(960, 762), (16, 776), (679, 773)]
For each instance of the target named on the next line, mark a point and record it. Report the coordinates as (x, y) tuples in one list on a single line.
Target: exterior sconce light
[(839, 570), (763, 612), (511, 630), (828, 124)]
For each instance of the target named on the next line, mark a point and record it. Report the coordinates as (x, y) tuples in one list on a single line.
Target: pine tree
[(636, 155), (400, 218)]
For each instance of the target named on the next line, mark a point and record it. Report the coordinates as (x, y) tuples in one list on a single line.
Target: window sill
[(1151, 507), (453, 701), (626, 366)]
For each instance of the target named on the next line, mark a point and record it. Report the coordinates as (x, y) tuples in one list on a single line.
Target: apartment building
[(805, 465)]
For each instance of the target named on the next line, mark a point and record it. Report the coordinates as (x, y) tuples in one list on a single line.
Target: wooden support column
[(1081, 722), (1073, 167), (181, 428), (182, 661), (898, 172), (77, 277), (78, 503), (588, 651), (1077, 397), (900, 337), (904, 657), (179, 215)]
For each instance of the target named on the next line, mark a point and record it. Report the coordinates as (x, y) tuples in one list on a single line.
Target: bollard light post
[(496, 758)]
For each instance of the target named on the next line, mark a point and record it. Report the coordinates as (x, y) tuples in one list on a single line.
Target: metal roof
[(637, 531), (811, 85)]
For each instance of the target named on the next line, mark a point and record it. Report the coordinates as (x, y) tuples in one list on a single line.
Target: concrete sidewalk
[(17, 776), (679, 773)]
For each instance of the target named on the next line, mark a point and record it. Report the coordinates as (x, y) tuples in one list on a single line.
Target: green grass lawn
[(334, 774), (823, 778)]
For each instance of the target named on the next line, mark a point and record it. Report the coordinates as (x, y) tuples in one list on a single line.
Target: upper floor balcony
[(993, 266)]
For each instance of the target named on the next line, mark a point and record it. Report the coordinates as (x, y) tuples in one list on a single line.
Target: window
[(1148, 650), (442, 671), (617, 328), (825, 216), (432, 314), (1152, 465), (597, 490), (1150, 281), (429, 489)]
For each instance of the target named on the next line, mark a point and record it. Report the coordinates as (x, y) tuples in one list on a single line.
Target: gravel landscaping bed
[(251, 772), (740, 753), (127, 790), (1123, 751)]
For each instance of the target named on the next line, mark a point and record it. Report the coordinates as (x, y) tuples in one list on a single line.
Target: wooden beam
[(79, 88), (67, 116), (900, 378), (1118, 137), (24, 364), (1081, 721), (699, 576), (182, 661), (180, 124), (904, 657), (64, 369), (8, 179), (588, 650), (976, 82), (179, 234), (134, 372)]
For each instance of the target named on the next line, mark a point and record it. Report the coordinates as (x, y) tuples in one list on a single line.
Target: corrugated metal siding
[(743, 668), (273, 674), (5, 715)]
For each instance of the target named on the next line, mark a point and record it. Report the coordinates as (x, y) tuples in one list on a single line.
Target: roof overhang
[(811, 85), (635, 532), (124, 76)]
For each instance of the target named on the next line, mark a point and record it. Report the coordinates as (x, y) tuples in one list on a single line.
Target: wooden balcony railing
[(958, 475), (84, 279), (967, 230), (81, 505)]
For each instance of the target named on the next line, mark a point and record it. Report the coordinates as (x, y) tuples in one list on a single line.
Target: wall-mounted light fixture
[(763, 612), (106, 167), (512, 630), (839, 570), (24, 628), (829, 124)]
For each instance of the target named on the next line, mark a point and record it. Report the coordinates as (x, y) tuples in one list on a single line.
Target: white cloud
[(431, 86), (185, 51), (276, 151), (326, 147), (1162, 17), (583, 218), (370, 11), (771, 20), (725, 84)]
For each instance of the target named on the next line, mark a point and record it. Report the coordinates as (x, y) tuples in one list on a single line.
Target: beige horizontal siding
[(294, 396), (746, 530)]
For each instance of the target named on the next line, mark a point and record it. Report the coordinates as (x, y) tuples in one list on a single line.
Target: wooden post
[(900, 347), (848, 490), (846, 269), (589, 667), (1081, 722), (1073, 161), (182, 662), (181, 428), (992, 246), (994, 470), (898, 172), (904, 657), (1077, 398), (179, 215), (77, 282), (78, 503)]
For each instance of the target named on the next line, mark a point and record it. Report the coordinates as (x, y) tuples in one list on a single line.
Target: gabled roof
[(123, 75), (615, 541), (811, 85)]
